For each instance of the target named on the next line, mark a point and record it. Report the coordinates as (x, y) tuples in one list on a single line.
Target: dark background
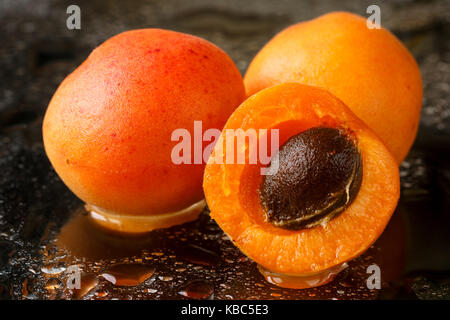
[(37, 51)]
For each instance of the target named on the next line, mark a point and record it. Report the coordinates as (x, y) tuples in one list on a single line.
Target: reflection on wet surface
[(128, 274), (195, 260), (82, 237), (198, 261)]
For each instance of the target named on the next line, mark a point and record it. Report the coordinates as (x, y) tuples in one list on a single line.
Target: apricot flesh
[(107, 130), (370, 70), (231, 190)]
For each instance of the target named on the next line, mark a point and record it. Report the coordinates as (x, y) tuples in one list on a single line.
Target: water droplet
[(128, 274), (151, 290), (165, 278), (88, 281), (348, 281), (197, 255), (53, 269), (197, 289), (223, 285), (32, 271), (101, 294), (53, 284), (274, 294), (225, 237)]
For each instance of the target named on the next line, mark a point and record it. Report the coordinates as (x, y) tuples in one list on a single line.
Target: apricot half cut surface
[(108, 130), (334, 190), (370, 70)]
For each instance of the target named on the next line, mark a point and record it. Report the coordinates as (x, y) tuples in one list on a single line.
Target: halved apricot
[(335, 189), (370, 70)]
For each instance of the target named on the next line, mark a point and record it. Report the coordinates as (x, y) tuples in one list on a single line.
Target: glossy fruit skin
[(231, 190), (370, 70), (107, 130)]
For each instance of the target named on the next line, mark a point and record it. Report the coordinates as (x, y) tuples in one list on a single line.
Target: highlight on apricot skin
[(107, 130), (370, 70), (334, 192)]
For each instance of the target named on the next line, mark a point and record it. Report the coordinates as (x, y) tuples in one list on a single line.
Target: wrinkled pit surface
[(317, 175)]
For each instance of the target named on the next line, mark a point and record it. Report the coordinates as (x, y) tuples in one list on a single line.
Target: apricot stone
[(318, 177)]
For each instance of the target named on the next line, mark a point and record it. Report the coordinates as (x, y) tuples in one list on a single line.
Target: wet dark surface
[(197, 260)]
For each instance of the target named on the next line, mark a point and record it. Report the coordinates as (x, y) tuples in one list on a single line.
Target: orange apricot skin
[(368, 69), (107, 130), (231, 189)]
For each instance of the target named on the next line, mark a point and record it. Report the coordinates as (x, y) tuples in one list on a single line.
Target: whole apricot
[(369, 69), (108, 128)]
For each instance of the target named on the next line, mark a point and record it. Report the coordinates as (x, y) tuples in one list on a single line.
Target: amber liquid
[(305, 281)]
